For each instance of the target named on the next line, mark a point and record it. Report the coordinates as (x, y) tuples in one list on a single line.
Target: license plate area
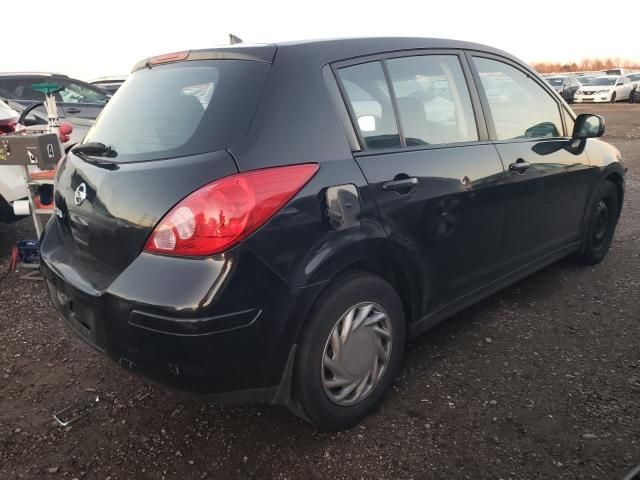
[(80, 317)]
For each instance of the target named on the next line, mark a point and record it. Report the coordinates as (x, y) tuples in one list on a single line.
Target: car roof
[(331, 50), (110, 78), (31, 74)]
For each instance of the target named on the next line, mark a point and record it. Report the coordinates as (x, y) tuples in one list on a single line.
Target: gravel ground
[(538, 381)]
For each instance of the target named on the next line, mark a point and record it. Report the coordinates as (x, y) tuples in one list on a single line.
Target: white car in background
[(608, 88)]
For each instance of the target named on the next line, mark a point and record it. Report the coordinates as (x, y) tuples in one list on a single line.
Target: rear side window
[(434, 104), (366, 88), (20, 89), (520, 108), (180, 109)]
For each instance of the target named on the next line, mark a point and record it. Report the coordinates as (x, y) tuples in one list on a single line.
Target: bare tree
[(586, 64)]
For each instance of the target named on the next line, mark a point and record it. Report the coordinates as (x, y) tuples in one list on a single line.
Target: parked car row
[(609, 87)]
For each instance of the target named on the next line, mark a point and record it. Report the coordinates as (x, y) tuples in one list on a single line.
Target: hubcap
[(356, 353), (601, 223)]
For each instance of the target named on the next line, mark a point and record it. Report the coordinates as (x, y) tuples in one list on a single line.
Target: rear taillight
[(6, 128), (217, 216)]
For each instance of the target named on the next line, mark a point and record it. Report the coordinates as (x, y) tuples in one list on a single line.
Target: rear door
[(547, 181), (433, 171)]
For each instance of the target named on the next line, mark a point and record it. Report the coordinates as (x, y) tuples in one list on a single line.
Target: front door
[(434, 174), (81, 100), (547, 180)]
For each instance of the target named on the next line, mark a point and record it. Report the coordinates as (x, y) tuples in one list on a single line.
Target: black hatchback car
[(272, 223)]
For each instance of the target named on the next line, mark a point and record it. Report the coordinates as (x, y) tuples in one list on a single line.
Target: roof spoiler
[(256, 53)]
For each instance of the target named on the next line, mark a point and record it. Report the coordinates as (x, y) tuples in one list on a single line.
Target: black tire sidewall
[(594, 254), (347, 292)]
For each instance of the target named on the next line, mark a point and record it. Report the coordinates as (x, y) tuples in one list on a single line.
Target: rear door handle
[(72, 110), (519, 166), (401, 184)]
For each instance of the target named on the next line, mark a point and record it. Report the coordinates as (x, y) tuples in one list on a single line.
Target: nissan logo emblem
[(80, 195)]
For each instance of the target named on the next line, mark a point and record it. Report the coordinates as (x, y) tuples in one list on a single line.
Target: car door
[(81, 100), (547, 179), (434, 174), (626, 86)]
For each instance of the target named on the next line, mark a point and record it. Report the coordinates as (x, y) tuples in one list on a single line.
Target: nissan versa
[(272, 223)]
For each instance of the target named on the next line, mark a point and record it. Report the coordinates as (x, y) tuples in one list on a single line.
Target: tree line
[(585, 65)]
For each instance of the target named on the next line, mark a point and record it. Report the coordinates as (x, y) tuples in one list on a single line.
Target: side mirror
[(367, 123), (588, 126)]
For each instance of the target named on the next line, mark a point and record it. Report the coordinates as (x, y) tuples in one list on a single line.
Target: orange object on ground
[(38, 204), (43, 175)]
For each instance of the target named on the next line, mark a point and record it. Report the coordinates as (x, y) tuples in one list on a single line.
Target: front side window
[(434, 104), (519, 106), (366, 88), (76, 93)]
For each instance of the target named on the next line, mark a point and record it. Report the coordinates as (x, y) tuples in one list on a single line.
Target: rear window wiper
[(95, 149)]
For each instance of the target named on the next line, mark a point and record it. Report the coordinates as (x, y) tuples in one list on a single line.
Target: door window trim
[(476, 104), (470, 54)]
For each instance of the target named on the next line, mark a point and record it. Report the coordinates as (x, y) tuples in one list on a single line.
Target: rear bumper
[(221, 327)]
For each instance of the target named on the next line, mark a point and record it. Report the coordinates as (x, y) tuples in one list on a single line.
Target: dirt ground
[(540, 381)]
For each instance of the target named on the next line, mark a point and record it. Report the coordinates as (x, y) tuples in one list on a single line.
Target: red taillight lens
[(8, 127), (169, 57), (217, 216)]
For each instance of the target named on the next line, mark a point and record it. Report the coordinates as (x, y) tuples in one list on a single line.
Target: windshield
[(555, 81), (603, 81), (587, 80), (634, 77), (180, 109)]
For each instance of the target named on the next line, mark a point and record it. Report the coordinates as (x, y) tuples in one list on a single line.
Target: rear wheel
[(601, 224), (350, 351)]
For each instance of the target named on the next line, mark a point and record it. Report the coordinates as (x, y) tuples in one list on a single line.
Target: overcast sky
[(87, 38)]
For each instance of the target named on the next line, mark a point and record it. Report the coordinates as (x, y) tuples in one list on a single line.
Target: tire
[(601, 224), (336, 407), (613, 97)]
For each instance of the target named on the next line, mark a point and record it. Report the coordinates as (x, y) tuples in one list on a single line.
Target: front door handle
[(400, 184), (72, 110), (519, 166)]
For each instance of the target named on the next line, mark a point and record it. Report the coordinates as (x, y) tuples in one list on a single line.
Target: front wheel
[(601, 224), (350, 351), (613, 97)]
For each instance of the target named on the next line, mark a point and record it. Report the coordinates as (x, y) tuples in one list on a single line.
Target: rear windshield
[(180, 109), (555, 81), (603, 81)]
